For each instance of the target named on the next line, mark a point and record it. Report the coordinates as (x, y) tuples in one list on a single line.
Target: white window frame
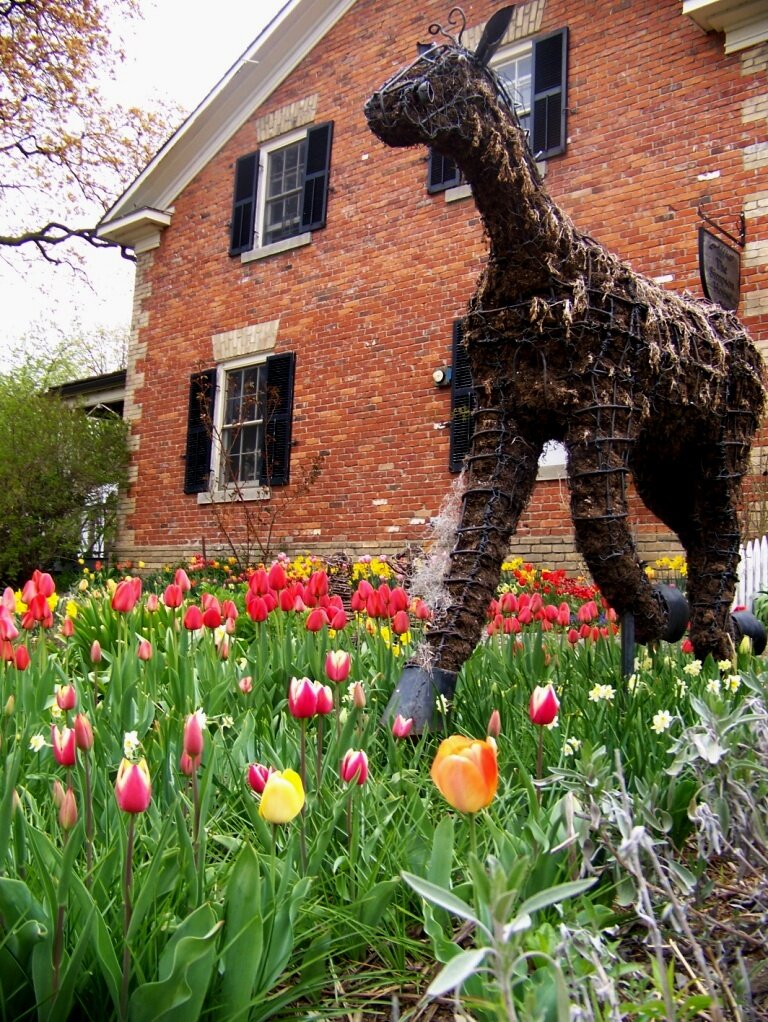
[(221, 491), (261, 250)]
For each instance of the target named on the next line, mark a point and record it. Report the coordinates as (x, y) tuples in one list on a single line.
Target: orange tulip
[(466, 773)]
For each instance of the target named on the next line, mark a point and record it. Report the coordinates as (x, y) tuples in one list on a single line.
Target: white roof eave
[(275, 53)]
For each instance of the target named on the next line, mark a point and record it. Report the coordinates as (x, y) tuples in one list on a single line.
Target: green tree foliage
[(57, 463)]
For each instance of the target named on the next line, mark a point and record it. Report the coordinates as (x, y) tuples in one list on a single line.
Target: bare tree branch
[(56, 234)]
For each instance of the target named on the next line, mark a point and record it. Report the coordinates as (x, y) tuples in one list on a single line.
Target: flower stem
[(127, 912), (539, 763), (88, 824)]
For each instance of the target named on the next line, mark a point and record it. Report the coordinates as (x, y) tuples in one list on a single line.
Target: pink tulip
[(337, 664), (64, 747), (543, 705), (67, 627), (494, 725), (8, 630), (173, 596), (68, 810), (144, 651), (324, 699), (401, 726), (245, 685), (354, 767), (133, 787), (153, 603), (181, 579), (194, 734), (66, 697), (83, 731), (302, 698), (258, 775), (96, 652)]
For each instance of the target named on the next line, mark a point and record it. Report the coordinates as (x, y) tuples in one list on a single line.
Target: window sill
[(551, 472), (276, 247), (231, 496), (459, 192)]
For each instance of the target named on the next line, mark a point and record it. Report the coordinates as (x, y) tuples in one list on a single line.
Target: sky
[(178, 52)]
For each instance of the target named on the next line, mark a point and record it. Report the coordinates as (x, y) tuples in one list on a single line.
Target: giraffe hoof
[(416, 696), (678, 612), (748, 626)]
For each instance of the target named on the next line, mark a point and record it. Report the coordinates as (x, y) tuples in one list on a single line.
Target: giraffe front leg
[(500, 475), (598, 475)]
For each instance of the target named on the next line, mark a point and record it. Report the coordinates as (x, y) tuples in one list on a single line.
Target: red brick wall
[(368, 306)]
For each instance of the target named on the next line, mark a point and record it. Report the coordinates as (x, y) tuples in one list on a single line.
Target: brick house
[(298, 285)]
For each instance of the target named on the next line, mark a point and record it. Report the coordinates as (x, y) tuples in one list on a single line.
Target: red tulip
[(258, 583), (398, 600), (256, 607), (212, 617), (277, 577), (21, 658), (316, 620), (339, 620), (324, 699), (544, 705), (401, 622), (194, 735), (64, 747), (133, 786), (126, 595), (173, 596), (67, 627), (193, 619), (354, 767)]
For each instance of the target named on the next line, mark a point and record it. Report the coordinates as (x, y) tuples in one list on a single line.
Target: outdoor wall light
[(442, 376)]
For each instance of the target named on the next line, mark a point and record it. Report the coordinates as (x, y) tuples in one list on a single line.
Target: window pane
[(517, 74), (242, 428), (285, 182)]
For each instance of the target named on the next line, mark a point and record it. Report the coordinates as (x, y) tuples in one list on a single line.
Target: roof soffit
[(267, 62)]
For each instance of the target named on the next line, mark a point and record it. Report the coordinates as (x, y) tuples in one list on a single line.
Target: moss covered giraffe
[(566, 342)]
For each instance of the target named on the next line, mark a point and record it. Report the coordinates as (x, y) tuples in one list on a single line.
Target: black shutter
[(316, 173), (278, 415), (244, 204), (202, 392), (548, 100), (462, 402), (442, 173)]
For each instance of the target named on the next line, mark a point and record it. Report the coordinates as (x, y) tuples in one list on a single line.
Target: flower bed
[(203, 817)]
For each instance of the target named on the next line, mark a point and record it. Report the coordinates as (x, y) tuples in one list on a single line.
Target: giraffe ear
[(493, 33)]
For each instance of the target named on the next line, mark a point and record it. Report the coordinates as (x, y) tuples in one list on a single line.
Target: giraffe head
[(442, 97)]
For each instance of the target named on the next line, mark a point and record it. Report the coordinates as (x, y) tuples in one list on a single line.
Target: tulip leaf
[(184, 973), (461, 967), (444, 899), (243, 934), (147, 890), (552, 895)]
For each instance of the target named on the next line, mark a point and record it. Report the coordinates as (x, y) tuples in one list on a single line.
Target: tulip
[(354, 767), (258, 775), (302, 698), (339, 619), (282, 798), (144, 651), (64, 747), (181, 579), (57, 793), (193, 619), (401, 623), (337, 664), (324, 699), (257, 608), (173, 595), (83, 731), (245, 685), (21, 658), (401, 727), (258, 583), (66, 697), (8, 630), (212, 617), (194, 739), (316, 620), (277, 577), (133, 787), (126, 595), (67, 627), (96, 652), (358, 695), (188, 765), (465, 772), (68, 810), (494, 725), (543, 705)]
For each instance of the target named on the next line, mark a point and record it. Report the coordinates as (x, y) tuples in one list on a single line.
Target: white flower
[(56, 712), (693, 668), (724, 665), (36, 743), (598, 692), (732, 682), (443, 706), (713, 686), (632, 682), (225, 722), (130, 744), (661, 721), (553, 724), (571, 746), (681, 686)]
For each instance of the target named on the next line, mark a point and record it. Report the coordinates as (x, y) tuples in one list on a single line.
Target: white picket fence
[(752, 571)]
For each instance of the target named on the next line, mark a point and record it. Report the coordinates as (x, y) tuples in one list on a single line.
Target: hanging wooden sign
[(720, 269)]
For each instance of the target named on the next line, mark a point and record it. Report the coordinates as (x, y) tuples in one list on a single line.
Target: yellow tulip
[(466, 773), (282, 798)]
